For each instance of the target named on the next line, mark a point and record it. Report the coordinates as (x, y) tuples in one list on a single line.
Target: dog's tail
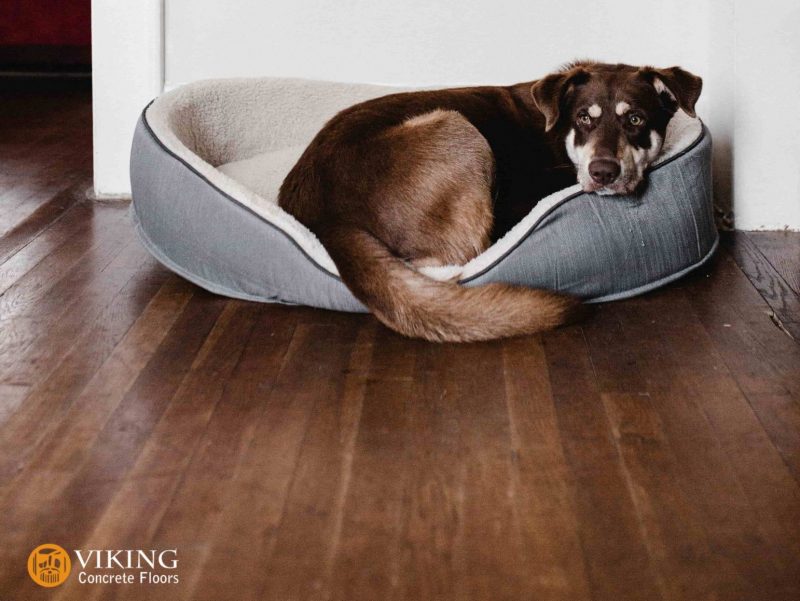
[(417, 306)]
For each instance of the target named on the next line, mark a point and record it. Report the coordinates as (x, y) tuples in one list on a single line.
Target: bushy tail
[(417, 306)]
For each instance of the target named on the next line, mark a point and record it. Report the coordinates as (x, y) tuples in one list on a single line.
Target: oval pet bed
[(209, 157)]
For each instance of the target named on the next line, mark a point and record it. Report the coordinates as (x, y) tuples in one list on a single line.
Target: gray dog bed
[(208, 159)]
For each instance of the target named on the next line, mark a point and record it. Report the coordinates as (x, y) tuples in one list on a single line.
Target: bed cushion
[(209, 157)]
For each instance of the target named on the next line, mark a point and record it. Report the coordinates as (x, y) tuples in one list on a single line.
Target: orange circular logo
[(49, 565)]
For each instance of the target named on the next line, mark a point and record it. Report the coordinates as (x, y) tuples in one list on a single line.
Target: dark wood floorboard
[(782, 250), (651, 452), (769, 281)]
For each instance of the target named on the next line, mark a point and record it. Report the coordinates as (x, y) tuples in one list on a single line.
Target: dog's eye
[(635, 120), (584, 118)]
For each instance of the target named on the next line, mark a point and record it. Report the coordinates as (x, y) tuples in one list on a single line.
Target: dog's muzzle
[(604, 171)]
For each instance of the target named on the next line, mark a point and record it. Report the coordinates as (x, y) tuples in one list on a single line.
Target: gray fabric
[(610, 247), (215, 242), (597, 247)]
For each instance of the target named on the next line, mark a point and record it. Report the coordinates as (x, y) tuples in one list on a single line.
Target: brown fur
[(429, 178), (416, 190)]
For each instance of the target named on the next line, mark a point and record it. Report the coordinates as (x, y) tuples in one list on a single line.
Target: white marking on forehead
[(595, 111), (661, 87), (622, 108)]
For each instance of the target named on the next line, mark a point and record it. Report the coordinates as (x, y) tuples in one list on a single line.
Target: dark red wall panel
[(45, 22)]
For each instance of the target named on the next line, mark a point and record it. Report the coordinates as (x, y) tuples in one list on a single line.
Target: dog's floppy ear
[(678, 84), (549, 93)]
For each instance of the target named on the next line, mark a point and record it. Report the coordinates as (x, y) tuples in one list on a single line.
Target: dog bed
[(208, 159)]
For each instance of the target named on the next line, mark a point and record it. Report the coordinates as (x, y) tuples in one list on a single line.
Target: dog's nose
[(604, 171)]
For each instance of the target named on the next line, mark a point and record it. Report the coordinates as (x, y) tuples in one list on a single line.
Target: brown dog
[(427, 178)]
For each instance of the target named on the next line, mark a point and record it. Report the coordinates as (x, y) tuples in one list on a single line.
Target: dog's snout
[(604, 171)]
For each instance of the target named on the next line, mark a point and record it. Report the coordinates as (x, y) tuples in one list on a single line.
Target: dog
[(428, 178)]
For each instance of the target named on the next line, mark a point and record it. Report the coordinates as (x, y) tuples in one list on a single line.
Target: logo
[(49, 565)]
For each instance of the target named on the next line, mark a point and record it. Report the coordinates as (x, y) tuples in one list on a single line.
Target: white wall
[(491, 41), (766, 162), (424, 41), (127, 72)]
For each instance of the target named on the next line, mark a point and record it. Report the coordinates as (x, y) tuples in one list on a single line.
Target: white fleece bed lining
[(251, 171)]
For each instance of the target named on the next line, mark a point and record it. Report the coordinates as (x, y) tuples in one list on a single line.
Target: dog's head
[(613, 118)]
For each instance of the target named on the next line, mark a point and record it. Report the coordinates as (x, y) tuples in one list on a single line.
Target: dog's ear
[(677, 84), (550, 93)]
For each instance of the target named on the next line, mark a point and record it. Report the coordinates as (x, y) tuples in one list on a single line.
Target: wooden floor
[(653, 452)]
